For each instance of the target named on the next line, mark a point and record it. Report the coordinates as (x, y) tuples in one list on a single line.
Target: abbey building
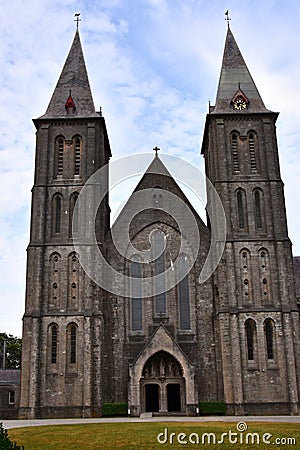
[(234, 337)]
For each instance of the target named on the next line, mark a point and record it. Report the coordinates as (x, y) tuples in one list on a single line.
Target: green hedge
[(114, 409), (5, 442), (216, 408)]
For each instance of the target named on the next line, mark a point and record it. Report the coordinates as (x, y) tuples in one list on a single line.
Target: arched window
[(136, 291), (250, 330), (240, 199), (246, 275), (158, 245), (54, 342), (252, 142), (72, 343), (246, 290), (244, 260), (73, 281), (264, 259), (257, 208), (60, 156), (269, 335), (183, 293), (265, 276), (54, 291), (235, 154), (56, 214), (73, 216), (77, 154), (73, 337)]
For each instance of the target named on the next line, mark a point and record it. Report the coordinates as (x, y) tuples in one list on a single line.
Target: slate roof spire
[(73, 78), (235, 77)]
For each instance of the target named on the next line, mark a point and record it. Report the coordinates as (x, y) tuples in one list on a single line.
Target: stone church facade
[(232, 338)]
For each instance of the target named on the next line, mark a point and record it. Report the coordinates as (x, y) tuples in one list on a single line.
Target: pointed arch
[(183, 293), (162, 363), (264, 259), (269, 329), (77, 144), (136, 292), (252, 144), (246, 275), (265, 276), (72, 331), (241, 208), (160, 340), (73, 214), (56, 213), (245, 259), (59, 156), (54, 280), (258, 207), (73, 281), (158, 245), (234, 137), (251, 337), (53, 341)]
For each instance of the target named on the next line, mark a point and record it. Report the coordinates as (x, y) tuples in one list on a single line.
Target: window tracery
[(183, 293), (269, 328), (54, 280), (73, 281), (158, 246), (136, 289), (250, 330)]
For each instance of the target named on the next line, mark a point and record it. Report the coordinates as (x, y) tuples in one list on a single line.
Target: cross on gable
[(156, 149)]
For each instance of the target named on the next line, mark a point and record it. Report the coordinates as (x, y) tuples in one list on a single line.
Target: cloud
[(153, 67)]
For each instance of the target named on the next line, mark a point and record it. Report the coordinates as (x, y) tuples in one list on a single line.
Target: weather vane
[(156, 149), (228, 18), (77, 19)]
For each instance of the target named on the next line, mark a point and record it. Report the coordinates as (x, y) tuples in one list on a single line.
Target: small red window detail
[(70, 105)]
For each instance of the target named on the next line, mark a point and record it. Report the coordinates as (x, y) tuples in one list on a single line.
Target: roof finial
[(77, 19), (156, 149), (228, 18)]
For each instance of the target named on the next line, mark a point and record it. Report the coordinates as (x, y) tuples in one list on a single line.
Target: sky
[(153, 67)]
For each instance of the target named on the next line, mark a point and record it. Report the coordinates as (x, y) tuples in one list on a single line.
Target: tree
[(5, 442), (12, 346)]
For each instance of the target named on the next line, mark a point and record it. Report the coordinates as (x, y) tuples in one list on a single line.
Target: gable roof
[(157, 176), (161, 340)]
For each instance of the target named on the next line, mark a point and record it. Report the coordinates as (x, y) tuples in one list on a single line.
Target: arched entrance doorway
[(163, 385)]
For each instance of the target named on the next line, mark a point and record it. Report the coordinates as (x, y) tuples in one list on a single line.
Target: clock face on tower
[(240, 104)]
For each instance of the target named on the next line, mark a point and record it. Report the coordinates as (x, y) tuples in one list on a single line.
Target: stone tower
[(257, 316), (234, 338), (62, 317)]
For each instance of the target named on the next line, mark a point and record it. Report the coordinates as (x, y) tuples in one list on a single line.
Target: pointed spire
[(73, 79), (235, 78)]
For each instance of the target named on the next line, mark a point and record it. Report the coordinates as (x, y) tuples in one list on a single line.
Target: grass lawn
[(143, 436)]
